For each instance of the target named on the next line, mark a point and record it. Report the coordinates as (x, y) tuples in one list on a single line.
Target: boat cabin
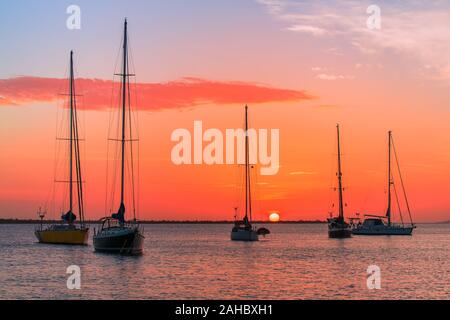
[(373, 222)]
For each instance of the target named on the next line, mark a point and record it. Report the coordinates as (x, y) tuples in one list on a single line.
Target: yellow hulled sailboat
[(67, 232)]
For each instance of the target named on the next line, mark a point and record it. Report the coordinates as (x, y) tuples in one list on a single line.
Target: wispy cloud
[(183, 93), (302, 173), (331, 77), (323, 74), (417, 29)]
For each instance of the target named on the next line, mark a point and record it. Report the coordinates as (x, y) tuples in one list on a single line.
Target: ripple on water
[(199, 262)]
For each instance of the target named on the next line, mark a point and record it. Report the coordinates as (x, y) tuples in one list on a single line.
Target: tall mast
[(124, 91), (248, 203), (388, 213), (76, 143), (71, 83), (341, 201)]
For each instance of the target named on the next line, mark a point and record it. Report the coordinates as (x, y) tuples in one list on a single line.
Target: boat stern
[(70, 237)]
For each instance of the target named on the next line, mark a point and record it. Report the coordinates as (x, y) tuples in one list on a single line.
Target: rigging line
[(115, 170), (78, 170), (128, 170), (117, 148), (112, 116), (401, 180), (83, 155), (133, 68), (80, 129), (110, 121), (136, 122), (60, 153), (256, 191), (74, 135), (131, 151), (332, 183), (78, 161), (237, 189), (51, 190), (341, 197), (241, 190), (106, 177), (138, 210), (55, 165), (398, 203)]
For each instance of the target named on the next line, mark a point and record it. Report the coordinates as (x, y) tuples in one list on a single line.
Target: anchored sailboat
[(67, 232), (115, 235), (337, 227), (243, 229), (376, 225)]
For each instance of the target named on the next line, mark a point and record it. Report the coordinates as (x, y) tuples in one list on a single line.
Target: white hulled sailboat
[(383, 225)]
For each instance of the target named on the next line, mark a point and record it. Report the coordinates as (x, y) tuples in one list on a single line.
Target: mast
[(341, 201), (71, 83), (121, 212), (388, 213), (77, 154), (248, 203), (124, 82), (74, 153)]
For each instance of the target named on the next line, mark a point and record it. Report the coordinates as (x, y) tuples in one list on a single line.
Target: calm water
[(200, 262)]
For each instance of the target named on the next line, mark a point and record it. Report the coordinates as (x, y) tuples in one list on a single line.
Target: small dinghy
[(263, 231)]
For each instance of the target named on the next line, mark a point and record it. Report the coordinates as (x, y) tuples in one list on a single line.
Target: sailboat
[(337, 227), (115, 235), (243, 229), (68, 232), (383, 225)]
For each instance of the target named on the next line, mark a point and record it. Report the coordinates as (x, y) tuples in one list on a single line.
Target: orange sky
[(300, 83)]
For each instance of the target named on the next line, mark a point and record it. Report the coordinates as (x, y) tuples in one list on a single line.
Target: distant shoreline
[(31, 221)]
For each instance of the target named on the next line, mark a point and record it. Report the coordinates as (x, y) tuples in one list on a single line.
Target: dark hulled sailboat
[(243, 229), (115, 235), (337, 227), (68, 232)]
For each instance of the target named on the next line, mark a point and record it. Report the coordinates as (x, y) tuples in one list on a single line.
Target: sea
[(198, 261)]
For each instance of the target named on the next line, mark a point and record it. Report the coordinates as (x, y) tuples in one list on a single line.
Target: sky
[(301, 66)]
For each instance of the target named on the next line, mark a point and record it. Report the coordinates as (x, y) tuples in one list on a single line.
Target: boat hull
[(338, 228), (340, 233), (244, 235), (384, 231), (128, 241), (70, 237)]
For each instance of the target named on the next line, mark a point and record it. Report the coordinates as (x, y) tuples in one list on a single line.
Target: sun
[(274, 217)]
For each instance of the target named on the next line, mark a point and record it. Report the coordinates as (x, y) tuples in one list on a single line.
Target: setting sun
[(274, 217)]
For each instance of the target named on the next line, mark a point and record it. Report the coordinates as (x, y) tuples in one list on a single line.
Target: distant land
[(33, 221)]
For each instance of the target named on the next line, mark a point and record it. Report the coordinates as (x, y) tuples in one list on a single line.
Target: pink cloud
[(183, 93)]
